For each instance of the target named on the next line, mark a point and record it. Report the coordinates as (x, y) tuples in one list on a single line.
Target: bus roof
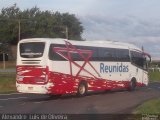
[(96, 43)]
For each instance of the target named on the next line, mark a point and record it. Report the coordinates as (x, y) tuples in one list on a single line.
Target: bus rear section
[(32, 71)]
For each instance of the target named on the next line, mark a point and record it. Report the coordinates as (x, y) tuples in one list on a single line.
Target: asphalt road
[(110, 102)]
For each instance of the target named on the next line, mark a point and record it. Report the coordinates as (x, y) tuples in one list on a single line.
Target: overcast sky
[(134, 21)]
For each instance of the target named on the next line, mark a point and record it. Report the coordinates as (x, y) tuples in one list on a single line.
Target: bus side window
[(94, 56), (137, 59), (54, 55), (104, 54), (107, 54), (124, 55)]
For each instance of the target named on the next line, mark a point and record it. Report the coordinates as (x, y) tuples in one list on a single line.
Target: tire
[(132, 85), (82, 89)]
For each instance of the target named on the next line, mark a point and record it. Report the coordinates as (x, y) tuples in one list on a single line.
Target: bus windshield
[(32, 49)]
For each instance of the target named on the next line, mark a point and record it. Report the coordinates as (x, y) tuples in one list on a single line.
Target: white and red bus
[(59, 66)]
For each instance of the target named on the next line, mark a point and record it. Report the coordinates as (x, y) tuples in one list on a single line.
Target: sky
[(133, 21)]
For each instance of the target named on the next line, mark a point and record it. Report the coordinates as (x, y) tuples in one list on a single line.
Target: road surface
[(111, 102)]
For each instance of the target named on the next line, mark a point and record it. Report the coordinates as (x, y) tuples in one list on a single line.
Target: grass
[(154, 76), (149, 107), (7, 84), (7, 73)]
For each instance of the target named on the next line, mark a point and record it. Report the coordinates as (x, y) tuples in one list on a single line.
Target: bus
[(59, 66)]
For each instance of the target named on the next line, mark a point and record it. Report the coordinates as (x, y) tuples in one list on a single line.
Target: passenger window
[(137, 59)]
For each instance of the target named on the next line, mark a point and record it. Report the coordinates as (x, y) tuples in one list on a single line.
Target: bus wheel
[(82, 89), (132, 84)]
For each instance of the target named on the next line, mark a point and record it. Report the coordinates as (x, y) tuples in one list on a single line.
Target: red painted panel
[(31, 74)]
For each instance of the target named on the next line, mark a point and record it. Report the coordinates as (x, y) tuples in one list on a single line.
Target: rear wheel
[(82, 89)]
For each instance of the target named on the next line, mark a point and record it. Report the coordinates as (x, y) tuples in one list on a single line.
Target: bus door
[(138, 64), (146, 62)]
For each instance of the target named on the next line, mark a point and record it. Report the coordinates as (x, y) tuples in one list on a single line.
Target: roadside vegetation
[(149, 107), (7, 84), (8, 65), (7, 79), (37, 23), (154, 76)]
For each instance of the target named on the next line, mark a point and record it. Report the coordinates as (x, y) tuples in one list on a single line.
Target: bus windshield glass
[(32, 49)]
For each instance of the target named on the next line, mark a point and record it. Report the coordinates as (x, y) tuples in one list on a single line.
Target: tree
[(8, 28), (37, 23)]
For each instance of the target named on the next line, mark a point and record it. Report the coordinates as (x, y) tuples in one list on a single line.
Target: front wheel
[(132, 85), (82, 89)]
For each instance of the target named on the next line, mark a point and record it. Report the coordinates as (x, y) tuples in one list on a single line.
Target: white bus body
[(59, 66)]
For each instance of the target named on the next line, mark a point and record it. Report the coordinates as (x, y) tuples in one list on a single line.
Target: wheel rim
[(82, 89)]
